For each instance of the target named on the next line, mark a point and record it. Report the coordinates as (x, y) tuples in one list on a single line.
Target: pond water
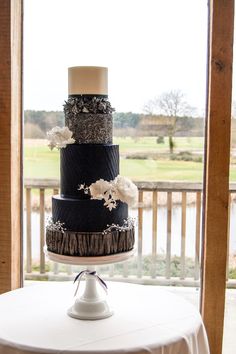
[(147, 230)]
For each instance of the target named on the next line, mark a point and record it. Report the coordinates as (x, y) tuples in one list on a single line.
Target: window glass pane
[(156, 55)]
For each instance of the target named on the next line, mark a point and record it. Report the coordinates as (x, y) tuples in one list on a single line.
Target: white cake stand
[(91, 305)]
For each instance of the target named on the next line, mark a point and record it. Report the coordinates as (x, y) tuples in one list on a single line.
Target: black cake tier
[(85, 164), (87, 215)]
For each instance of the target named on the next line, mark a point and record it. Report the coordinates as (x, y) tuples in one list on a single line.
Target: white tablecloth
[(147, 319)]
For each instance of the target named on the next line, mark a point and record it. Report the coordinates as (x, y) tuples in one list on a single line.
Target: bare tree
[(150, 106), (172, 105)]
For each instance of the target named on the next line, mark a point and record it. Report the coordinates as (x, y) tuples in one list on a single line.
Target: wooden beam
[(10, 144), (217, 169)]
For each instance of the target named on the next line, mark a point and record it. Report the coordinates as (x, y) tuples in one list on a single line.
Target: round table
[(147, 319)]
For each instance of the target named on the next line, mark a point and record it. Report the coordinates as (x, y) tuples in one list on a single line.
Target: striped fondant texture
[(87, 215), (85, 164)]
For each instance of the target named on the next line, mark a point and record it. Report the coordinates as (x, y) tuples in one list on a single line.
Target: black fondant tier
[(87, 215), (85, 164)]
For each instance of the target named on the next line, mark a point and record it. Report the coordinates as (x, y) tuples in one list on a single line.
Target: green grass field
[(40, 162), (148, 144)]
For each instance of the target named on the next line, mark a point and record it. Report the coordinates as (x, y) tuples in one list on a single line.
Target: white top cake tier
[(87, 80)]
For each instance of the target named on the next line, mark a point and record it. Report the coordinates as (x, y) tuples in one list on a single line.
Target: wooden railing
[(133, 270), (169, 188)]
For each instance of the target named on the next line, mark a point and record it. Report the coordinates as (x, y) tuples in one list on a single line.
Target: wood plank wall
[(217, 170), (10, 143)]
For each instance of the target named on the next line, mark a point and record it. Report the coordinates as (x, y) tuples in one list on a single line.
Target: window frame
[(215, 205), (11, 29)]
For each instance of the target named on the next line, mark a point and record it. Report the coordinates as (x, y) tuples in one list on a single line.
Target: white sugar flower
[(81, 186), (100, 189), (55, 226), (59, 137), (121, 188), (125, 190), (110, 204)]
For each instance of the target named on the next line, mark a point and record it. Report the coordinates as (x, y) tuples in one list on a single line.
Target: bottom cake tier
[(87, 244), (87, 228)]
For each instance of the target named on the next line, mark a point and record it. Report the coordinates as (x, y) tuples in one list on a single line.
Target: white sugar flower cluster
[(55, 226), (121, 188), (59, 137), (128, 224)]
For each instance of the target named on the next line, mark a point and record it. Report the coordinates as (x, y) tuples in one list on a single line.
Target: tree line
[(169, 114), (42, 121)]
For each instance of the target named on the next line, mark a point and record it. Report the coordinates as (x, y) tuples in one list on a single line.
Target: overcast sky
[(149, 47)]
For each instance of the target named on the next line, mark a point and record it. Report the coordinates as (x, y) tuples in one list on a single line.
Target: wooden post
[(168, 237), (42, 228), (28, 231), (197, 236), (140, 233), (154, 233), (183, 235), (217, 170), (55, 265), (10, 144)]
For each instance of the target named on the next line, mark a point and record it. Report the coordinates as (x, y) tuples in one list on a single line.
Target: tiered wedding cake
[(90, 216)]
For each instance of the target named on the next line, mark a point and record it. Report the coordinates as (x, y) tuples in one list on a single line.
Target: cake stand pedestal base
[(90, 305)]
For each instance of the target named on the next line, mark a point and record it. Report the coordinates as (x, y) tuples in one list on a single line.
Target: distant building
[(159, 125)]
